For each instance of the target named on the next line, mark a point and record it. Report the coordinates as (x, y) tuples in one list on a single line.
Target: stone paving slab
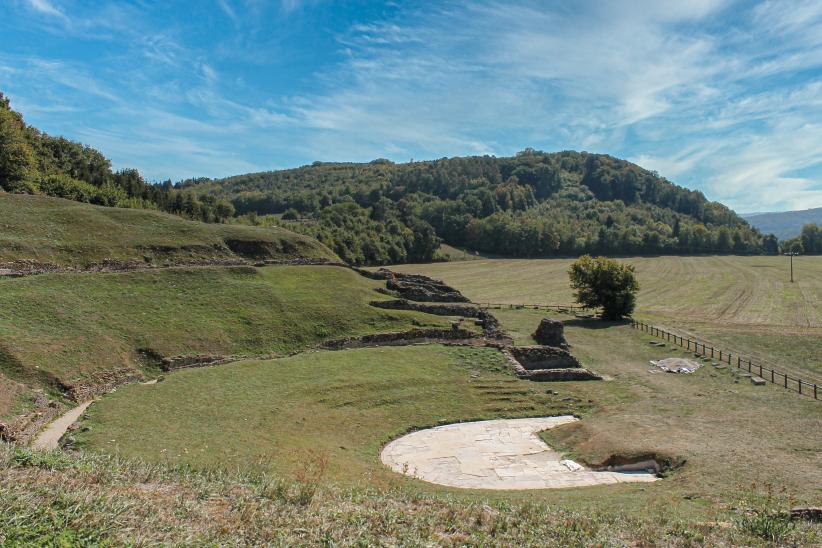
[(495, 454)]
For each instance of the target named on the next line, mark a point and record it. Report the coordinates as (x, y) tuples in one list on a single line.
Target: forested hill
[(33, 162), (530, 205)]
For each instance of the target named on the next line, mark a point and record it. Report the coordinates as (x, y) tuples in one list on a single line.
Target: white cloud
[(47, 8)]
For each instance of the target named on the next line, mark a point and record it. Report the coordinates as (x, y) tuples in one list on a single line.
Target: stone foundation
[(543, 357)]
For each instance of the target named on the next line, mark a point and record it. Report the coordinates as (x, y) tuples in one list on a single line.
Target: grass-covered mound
[(67, 233), (72, 327)]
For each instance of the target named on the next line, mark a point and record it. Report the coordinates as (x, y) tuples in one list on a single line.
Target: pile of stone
[(416, 287), (676, 365), (551, 333)]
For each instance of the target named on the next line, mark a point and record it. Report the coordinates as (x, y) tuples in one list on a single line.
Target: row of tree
[(808, 242)]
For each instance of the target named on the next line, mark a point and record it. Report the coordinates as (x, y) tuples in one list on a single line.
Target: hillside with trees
[(33, 162), (535, 204)]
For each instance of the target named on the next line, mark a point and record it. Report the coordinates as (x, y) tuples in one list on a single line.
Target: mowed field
[(746, 304), (753, 291)]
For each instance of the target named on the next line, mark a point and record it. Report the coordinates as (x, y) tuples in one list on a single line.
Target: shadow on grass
[(593, 323)]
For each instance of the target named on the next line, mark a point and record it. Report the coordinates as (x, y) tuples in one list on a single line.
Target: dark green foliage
[(36, 163), (534, 204), (604, 283), (809, 242)]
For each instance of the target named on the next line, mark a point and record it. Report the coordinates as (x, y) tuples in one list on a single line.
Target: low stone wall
[(543, 357), (172, 363), (402, 337), (101, 383), (567, 374), (452, 309)]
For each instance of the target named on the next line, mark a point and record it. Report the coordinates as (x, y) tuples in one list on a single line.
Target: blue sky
[(718, 95)]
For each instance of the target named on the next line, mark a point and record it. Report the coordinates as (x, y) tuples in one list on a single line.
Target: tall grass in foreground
[(62, 499)]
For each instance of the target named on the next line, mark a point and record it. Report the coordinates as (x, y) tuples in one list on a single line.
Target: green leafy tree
[(17, 161), (605, 283)]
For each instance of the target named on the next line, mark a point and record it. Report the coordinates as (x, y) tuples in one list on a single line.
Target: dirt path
[(50, 437), (495, 454)]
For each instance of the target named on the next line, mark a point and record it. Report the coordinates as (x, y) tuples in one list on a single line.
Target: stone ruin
[(551, 333), (416, 287), (547, 363), (489, 323)]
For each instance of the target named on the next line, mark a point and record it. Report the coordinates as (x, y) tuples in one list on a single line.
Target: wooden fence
[(697, 347), (512, 306)]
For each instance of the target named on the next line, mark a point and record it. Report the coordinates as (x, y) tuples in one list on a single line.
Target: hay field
[(722, 289)]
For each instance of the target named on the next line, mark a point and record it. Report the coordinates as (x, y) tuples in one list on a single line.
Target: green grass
[(67, 233), (61, 499), (733, 436), (71, 327), (747, 303), (342, 405)]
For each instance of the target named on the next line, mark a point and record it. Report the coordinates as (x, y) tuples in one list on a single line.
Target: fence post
[(814, 390), (772, 377), (729, 358), (720, 355), (786, 380), (800, 385), (712, 351), (760, 369)]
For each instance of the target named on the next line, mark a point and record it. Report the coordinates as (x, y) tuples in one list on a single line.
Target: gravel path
[(50, 437), (496, 454)]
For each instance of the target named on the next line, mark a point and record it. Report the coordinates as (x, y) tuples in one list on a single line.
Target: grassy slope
[(66, 233), (61, 499), (747, 303), (76, 325)]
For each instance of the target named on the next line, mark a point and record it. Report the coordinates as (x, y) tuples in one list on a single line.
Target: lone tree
[(603, 282)]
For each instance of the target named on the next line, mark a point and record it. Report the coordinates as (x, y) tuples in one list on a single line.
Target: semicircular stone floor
[(495, 454)]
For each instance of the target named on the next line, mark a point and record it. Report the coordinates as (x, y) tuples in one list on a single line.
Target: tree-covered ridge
[(532, 204), (34, 162)]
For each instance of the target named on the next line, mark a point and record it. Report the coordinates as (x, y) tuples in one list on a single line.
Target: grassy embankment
[(59, 499), (74, 327), (65, 233), (745, 303)]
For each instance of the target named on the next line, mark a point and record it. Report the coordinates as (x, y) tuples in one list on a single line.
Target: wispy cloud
[(47, 8), (715, 94)]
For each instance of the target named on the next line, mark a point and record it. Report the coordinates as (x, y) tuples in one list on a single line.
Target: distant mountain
[(784, 224)]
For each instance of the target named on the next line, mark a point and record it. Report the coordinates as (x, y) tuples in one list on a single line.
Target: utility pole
[(791, 254)]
